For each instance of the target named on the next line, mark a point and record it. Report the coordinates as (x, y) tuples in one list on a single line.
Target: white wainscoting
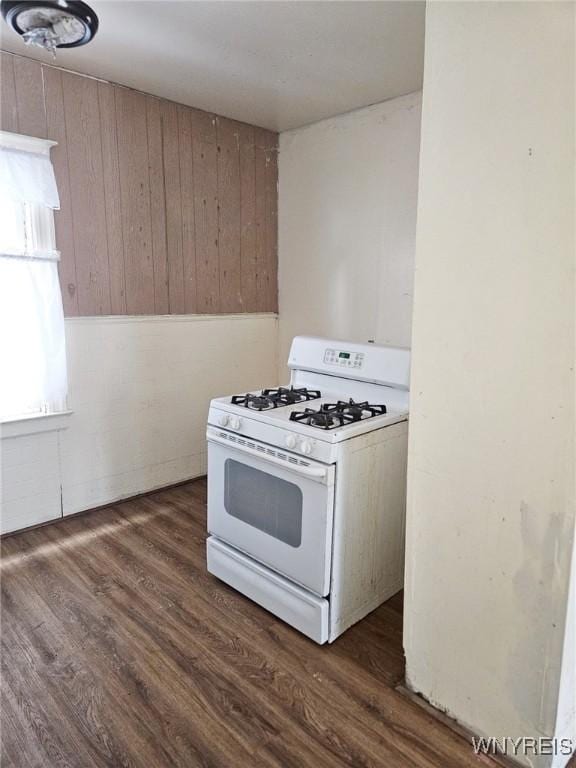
[(139, 389), (30, 490)]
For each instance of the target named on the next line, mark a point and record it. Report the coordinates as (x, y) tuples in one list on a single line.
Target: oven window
[(264, 501)]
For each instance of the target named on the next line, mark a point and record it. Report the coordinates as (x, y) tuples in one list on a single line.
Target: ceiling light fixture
[(51, 24)]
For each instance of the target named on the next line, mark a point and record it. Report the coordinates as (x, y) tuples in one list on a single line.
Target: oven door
[(274, 506)]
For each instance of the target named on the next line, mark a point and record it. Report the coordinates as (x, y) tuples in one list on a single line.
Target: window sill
[(34, 424)]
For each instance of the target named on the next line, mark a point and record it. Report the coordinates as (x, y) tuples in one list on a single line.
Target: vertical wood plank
[(56, 129), (205, 158), (87, 193), (204, 126), (111, 174), (8, 104), (187, 208), (271, 302), (157, 205), (171, 153), (266, 281), (229, 215), (248, 263), (261, 272), (30, 97), (135, 200)]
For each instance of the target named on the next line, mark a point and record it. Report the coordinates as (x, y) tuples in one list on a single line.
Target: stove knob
[(290, 441), (235, 422), (306, 447), (223, 419)]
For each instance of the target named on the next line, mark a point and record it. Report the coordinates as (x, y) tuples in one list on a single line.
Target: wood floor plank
[(174, 626), (339, 694), (66, 674), (140, 682), (119, 649)]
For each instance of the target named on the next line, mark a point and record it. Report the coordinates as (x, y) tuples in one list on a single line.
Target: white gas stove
[(306, 486)]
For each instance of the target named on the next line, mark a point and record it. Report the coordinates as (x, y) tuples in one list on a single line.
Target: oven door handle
[(317, 473)]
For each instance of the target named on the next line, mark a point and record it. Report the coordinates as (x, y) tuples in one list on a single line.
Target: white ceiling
[(276, 64)]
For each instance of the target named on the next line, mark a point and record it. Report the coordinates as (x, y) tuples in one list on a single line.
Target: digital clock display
[(344, 355)]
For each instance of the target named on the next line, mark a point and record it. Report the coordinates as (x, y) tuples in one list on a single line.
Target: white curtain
[(27, 177), (32, 344), (32, 348)]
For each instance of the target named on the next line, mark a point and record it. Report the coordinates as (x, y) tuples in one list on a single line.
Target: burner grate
[(276, 398), (333, 415), (254, 402), (292, 395)]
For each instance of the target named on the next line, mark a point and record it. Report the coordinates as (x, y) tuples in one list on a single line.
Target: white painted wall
[(347, 221), (139, 389), (490, 525), (30, 479)]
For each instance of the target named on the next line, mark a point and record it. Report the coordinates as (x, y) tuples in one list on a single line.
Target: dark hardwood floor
[(119, 649)]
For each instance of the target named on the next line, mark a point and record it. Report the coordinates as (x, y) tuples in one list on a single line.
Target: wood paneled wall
[(164, 209)]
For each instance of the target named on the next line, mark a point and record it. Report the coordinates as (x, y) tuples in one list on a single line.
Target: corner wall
[(348, 190), (490, 526)]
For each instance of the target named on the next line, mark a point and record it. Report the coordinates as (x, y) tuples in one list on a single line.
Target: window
[(264, 501), (32, 346)]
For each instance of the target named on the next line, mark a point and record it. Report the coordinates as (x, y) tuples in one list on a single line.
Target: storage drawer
[(294, 605)]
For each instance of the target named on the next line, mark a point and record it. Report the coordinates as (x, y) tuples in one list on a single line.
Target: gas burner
[(292, 395), (333, 415), (254, 402), (275, 398), (322, 419), (357, 411)]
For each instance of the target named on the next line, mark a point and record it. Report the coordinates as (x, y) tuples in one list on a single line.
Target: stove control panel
[(343, 359), (303, 445)]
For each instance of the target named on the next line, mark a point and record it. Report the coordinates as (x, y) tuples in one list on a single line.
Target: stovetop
[(318, 420), (338, 391), (326, 415), (307, 410)]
